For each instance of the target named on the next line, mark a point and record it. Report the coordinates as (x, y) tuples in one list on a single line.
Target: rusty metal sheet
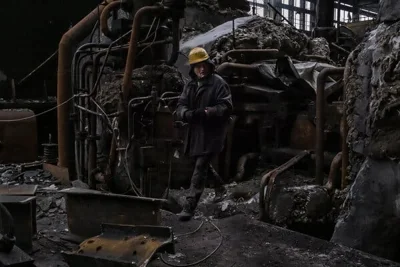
[(87, 210), (18, 138), (18, 190), (122, 245), (24, 215)]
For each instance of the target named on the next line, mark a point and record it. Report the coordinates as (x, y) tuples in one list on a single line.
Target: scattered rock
[(80, 184), (45, 204)]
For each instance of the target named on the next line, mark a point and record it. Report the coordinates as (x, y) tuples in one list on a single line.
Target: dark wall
[(30, 32)]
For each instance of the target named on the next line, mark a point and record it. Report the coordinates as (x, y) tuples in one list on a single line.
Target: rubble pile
[(237, 8), (263, 33), (296, 203), (143, 80), (13, 175), (50, 204), (195, 29), (209, 14), (372, 81), (320, 47)]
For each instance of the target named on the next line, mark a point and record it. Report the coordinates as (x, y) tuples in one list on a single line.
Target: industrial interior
[(93, 167)]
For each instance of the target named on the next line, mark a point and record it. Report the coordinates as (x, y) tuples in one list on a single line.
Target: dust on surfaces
[(265, 33)]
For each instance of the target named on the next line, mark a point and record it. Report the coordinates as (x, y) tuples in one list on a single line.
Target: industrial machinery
[(132, 143)]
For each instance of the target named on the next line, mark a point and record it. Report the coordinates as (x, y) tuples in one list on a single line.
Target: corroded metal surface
[(88, 209), (18, 136), (269, 179), (122, 245)]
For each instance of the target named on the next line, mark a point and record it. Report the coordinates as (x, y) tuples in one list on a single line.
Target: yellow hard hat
[(198, 55)]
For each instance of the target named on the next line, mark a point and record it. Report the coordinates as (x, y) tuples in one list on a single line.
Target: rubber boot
[(187, 212)]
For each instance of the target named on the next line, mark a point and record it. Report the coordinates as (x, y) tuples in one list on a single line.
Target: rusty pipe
[(334, 172), (104, 18), (92, 122), (269, 179), (242, 164), (70, 39), (320, 121), (130, 62), (235, 66), (269, 53)]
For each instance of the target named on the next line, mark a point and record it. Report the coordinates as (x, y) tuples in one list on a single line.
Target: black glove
[(188, 116), (199, 115)]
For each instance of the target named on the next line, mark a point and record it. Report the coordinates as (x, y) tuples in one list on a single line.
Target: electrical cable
[(193, 232), (41, 113), (203, 259), (152, 42)]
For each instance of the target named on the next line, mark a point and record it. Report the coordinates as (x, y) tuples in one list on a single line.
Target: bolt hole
[(98, 248), (134, 253), (143, 242), (90, 241)]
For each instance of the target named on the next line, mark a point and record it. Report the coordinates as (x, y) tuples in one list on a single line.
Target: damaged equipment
[(122, 246)]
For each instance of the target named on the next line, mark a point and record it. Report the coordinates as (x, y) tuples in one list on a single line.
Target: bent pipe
[(70, 39), (269, 179), (133, 45), (320, 121), (127, 78), (334, 172), (175, 43), (269, 53), (76, 63), (104, 18), (242, 164), (92, 157)]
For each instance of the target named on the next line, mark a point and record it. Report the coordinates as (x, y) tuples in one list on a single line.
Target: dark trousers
[(202, 170)]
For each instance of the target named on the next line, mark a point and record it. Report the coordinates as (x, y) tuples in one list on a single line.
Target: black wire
[(203, 259)]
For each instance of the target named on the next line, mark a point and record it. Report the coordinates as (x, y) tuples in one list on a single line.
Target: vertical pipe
[(64, 92), (320, 118), (130, 61)]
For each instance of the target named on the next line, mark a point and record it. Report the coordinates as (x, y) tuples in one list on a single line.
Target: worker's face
[(201, 69)]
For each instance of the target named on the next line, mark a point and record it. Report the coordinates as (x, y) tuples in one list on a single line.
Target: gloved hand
[(188, 116), (199, 114)]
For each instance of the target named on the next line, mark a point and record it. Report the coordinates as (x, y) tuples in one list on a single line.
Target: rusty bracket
[(269, 179), (122, 245), (87, 210)]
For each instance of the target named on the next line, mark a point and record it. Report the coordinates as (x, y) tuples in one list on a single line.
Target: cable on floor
[(203, 259)]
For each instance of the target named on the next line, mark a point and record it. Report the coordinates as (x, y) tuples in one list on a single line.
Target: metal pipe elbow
[(104, 18)]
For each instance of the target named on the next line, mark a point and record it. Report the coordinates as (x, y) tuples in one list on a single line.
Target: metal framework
[(301, 13)]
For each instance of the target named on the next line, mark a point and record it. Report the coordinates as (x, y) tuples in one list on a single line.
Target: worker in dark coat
[(206, 105)]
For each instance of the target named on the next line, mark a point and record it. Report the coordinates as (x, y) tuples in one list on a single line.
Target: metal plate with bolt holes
[(122, 245)]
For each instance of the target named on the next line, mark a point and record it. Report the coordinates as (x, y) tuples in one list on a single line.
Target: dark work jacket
[(213, 94)]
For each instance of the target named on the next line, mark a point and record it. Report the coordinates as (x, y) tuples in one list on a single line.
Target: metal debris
[(122, 245)]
